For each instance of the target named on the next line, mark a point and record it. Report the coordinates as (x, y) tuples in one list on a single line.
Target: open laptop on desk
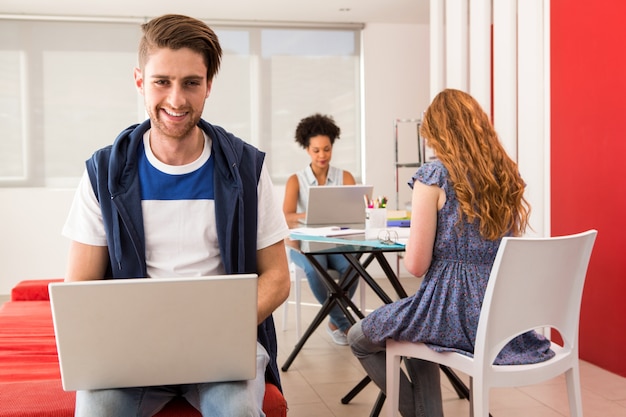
[(337, 205), (159, 331)]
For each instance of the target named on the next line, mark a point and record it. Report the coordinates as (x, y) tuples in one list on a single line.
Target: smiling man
[(178, 196)]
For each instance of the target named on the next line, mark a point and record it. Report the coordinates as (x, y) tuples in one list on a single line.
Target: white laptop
[(142, 332), (337, 205)]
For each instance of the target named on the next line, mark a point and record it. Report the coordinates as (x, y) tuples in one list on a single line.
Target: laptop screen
[(337, 204), (142, 332)]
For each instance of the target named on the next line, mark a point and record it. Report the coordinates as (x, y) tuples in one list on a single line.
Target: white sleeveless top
[(306, 178)]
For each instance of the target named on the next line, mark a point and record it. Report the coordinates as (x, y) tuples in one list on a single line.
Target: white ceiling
[(325, 11)]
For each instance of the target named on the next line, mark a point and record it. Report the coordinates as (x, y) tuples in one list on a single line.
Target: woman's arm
[(348, 179), (425, 202)]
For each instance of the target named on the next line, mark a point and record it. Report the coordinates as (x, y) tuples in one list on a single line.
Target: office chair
[(297, 275), (534, 283)]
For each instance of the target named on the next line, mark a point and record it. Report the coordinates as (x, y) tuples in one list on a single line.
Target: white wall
[(396, 86), (31, 245), (396, 79)]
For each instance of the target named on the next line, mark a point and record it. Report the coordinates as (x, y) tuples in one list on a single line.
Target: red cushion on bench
[(36, 399), (27, 345), (32, 290), (30, 381)]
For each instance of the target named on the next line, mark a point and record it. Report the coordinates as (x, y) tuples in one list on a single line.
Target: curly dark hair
[(316, 125)]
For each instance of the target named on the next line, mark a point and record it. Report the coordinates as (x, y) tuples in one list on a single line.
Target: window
[(67, 89)]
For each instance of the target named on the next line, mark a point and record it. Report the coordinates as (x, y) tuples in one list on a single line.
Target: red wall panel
[(588, 161)]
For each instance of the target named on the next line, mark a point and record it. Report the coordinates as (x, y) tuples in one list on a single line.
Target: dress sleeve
[(431, 173)]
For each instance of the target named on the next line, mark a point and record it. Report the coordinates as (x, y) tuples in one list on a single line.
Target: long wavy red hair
[(486, 180)]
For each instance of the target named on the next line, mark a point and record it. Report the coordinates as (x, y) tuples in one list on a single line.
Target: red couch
[(30, 380)]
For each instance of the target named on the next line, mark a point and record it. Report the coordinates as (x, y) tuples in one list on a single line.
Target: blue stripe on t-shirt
[(158, 185)]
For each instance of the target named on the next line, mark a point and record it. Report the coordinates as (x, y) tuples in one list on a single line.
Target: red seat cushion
[(27, 345), (32, 290), (30, 380), (36, 399)]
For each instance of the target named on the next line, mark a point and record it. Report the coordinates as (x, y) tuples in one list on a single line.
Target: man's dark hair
[(175, 31)]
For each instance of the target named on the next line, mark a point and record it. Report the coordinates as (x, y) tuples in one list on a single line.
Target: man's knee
[(230, 399), (110, 402)]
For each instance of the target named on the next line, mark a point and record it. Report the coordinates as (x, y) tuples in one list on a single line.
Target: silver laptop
[(337, 205), (143, 332)]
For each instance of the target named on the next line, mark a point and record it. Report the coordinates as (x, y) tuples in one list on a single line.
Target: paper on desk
[(375, 243), (326, 231)]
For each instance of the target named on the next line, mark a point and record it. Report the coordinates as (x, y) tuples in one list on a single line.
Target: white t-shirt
[(180, 232)]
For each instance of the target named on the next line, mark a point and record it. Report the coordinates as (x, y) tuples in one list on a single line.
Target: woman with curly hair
[(463, 203), (317, 134)]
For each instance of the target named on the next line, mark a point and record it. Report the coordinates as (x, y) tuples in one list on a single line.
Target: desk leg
[(378, 405), (354, 391), (391, 275), (380, 400), (319, 318), (459, 386), (360, 268), (336, 295), (338, 291)]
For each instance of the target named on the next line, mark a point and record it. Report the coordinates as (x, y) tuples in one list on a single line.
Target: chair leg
[(572, 378), (470, 398), (362, 285), (298, 291), (393, 383), (479, 399), (285, 314), (471, 393), (286, 303)]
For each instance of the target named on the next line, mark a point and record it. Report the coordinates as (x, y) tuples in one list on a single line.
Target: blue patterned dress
[(444, 312)]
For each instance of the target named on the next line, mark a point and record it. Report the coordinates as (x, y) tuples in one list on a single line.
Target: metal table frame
[(338, 295)]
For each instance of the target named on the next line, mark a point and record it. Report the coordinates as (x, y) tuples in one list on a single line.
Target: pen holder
[(375, 221)]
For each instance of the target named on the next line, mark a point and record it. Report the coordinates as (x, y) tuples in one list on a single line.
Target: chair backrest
[(534, 282)]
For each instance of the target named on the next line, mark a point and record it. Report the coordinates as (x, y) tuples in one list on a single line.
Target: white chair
[(297, 275), (534, 283)]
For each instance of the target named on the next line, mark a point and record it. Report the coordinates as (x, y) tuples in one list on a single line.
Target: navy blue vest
[(114, 178)]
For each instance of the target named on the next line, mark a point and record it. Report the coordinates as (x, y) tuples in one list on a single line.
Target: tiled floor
[(323, 373)]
